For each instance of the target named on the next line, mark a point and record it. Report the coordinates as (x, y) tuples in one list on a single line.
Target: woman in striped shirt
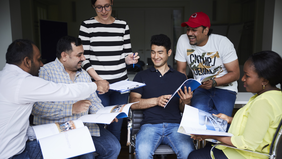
[(107, 49)]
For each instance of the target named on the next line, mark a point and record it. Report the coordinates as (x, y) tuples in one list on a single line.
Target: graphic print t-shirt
[(209, 59)]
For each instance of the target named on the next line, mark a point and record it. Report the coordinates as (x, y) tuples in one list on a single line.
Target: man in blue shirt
[(160, 124)]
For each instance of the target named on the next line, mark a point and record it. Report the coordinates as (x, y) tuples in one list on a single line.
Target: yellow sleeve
[(257, 122)]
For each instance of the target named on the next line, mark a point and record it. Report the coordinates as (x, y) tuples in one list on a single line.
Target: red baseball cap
[(197, 19)]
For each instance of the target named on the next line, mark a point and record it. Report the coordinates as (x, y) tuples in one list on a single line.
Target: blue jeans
[(32, 151), (214, 100), (107, 146), (113, 98), (150, 136)]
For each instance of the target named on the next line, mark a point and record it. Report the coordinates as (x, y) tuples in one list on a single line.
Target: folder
[(125, 86)]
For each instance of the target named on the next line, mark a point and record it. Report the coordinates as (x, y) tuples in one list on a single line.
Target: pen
[(133, 59)]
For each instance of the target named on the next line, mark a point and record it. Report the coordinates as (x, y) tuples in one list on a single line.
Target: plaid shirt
[(50, 112)]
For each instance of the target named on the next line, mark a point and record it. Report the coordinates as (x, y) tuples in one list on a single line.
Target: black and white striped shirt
[(105, 48)]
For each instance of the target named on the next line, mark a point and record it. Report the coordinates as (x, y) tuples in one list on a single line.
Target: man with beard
[(19, 90), (67, 69), (209, 55)]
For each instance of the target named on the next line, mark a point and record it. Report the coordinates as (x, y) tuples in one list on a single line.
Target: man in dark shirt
[(160, 124)]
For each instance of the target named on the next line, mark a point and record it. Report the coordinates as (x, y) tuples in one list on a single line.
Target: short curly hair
[(18, 50)]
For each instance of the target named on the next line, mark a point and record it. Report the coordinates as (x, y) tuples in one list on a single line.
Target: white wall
[(16, 19), (277, 25), (268, 25), (5, 30)]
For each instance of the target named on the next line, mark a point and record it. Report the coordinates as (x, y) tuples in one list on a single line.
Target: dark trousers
[(204, 153)]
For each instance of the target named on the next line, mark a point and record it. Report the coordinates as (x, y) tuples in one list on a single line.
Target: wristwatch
[(213, 83)]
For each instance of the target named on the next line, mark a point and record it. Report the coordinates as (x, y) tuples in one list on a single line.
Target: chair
[(137, 117), (275, 147)]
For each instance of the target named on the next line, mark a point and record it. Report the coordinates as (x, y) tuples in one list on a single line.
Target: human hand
[(201, 137), (102, 86), (162, 100), (206, 85), (132, 58), (80, 106), (115, 120), (224, 117), (186, 95)]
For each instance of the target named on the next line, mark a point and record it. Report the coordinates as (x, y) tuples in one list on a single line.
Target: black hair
[(64, 44), (268, 64), (94, 1), (161, 40), (210, 30), (18, 50)]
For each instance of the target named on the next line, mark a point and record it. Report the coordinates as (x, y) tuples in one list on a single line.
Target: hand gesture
[(102, 86), (80, 106), (115, 120), (186, 95), (224, 117), (201, 137), (206, 85), (162, 100), (132, 58)]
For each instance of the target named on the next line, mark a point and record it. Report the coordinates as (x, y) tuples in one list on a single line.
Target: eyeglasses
[(106, 7)]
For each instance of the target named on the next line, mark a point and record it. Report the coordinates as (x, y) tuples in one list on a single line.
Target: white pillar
[(5, 30), (277, 25)]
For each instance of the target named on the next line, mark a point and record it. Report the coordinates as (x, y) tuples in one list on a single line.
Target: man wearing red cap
[(209, 55)]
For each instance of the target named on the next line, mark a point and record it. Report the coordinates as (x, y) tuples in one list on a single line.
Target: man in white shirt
[(20, 89)]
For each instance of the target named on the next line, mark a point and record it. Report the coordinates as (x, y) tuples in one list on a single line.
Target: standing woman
[(254, 125), (107, 49)]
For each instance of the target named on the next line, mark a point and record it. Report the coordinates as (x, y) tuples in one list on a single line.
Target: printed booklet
[(63, 140), (192, 83), (107, 114), (198, 122)]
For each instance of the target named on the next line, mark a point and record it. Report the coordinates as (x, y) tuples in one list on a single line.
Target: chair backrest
[(276, 146), (137, 117)]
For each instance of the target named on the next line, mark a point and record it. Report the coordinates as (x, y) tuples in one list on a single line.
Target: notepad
[(125, 86)]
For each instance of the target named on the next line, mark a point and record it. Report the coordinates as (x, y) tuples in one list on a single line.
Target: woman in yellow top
[(254, 125)]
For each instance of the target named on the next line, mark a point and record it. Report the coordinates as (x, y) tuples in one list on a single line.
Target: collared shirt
[(158, 85), (18, 92), (52, 111)]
